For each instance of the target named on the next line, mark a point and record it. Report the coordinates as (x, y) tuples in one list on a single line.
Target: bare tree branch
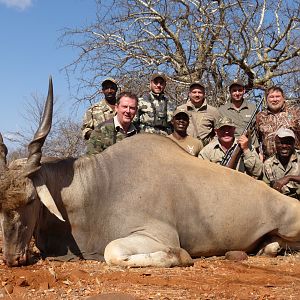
[(212, 41)]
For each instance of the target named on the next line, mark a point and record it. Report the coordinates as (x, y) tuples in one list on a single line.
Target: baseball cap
[(224, 121), (109, 79), (196, 83), (158, 75), (285, 132), (236, 82), (180, 110)]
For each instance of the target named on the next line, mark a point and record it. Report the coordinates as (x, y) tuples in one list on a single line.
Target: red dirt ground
[(213, 278)]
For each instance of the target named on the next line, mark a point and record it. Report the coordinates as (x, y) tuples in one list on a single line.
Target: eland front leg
[(143, 251)]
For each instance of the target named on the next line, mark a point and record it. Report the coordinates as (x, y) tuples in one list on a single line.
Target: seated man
[(117, 128), (180, 122), (215, 151), (282, 170)]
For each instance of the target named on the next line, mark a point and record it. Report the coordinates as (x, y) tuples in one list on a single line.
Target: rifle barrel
[(226, 159)]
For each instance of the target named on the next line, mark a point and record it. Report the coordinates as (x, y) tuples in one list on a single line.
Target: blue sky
[(30, 52)]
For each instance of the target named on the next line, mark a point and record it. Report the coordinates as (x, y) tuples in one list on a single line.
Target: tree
[(64, 139), (211, 41)]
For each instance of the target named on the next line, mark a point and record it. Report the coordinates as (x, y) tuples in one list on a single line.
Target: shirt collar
[(244, 105), (218, 144), (119, 127), (191, 106), (160, 96)]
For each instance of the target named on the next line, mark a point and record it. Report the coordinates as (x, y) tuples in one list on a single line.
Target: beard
[(111, 99), (275, 107)]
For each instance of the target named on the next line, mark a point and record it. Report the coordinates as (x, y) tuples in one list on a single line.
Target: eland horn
[(3, 153), (35, 146)]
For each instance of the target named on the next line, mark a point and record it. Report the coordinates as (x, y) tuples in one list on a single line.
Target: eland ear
[(48, 201)]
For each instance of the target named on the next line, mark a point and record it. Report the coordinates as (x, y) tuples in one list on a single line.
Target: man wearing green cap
[(101, 111), (215, 151)]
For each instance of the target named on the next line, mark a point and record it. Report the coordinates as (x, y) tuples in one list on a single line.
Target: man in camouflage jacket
[(278, 114), (101, 111), (155, 110), (117, 128)]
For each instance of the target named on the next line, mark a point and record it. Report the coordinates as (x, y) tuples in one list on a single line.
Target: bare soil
[(209, 278)]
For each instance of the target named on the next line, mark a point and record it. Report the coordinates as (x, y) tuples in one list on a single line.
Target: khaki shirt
[(273, 170), (95, 115), (189, 144), (202, 120), (215, 153), (240, 118)]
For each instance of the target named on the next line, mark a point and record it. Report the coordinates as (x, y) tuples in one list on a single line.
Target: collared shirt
[(202, 120), (274, 170), (118, 127), (215, 153), (107, 134), (95, 115), (240, 118), (154, 114), (267, 123), (188, 143)]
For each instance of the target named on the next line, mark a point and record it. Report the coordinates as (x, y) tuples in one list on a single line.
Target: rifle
[(232, 156)]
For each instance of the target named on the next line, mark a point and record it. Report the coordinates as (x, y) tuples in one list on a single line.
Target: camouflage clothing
[(267, 123), (249, 160), (107, 134), (240, 118), (95, 115), (202, 120), (189, 144), (154, 114), (273, 170)]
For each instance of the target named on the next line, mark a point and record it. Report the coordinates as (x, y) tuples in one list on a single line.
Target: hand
[(261, 156), (278, 184), (88, 135), (243, 142)]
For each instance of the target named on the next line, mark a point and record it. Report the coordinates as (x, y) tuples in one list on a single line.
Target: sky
[(30, 52)]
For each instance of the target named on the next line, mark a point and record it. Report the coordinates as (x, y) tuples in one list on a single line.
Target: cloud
[(20, 4)]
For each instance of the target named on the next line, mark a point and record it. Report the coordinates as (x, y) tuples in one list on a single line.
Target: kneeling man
[(282, 170), (225, 141), (180, 122)]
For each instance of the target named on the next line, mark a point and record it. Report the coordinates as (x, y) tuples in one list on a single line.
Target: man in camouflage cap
[(117, 128), (282, 170), (202, 116), (101, 111), (180, 122), (215, 151), (155, 110)]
